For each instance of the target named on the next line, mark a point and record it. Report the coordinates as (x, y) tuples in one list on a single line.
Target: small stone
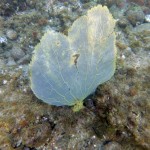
[(11, 34), (122, 23), (17, 53), (11, 62)]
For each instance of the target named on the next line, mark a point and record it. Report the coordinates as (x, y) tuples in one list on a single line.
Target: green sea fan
[(66, 69)]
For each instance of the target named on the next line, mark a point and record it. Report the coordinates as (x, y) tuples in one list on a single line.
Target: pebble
[(122, 23), (11, 34), (11, 62), (17, 53)]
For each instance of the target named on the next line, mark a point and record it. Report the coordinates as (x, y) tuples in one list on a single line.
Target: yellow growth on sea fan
[(66, 69)]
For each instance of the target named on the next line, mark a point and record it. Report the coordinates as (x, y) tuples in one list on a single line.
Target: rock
[(119, 117), (115, 11), (135, 15), (11, 34), (2, 63), (143, 28), (112, 146), (11, 62), (142, 33), (139, 2), (31, 3), (123, 23), (17, 53), (9, 7), (24, 60)]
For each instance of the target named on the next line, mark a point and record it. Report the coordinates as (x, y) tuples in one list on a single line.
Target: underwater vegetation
[(66, 69)]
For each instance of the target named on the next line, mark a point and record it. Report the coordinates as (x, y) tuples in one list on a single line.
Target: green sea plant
[(66, 69)]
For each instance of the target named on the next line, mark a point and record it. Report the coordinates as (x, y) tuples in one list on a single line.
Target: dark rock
[(123, 23), (9, 7)]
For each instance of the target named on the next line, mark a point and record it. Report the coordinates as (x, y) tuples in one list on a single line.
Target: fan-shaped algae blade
[(66, 69)]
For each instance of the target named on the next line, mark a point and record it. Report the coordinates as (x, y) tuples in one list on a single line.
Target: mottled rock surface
[(116, 117)]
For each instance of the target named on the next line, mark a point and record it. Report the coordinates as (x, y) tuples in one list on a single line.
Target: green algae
[(66, 69)]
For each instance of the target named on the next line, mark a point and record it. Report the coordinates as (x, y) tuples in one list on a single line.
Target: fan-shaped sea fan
[(66, 69)]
